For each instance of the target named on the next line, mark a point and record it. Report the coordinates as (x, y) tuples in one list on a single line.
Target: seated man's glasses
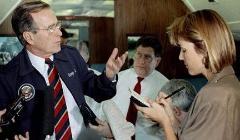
[(51, 28), (145, 57)]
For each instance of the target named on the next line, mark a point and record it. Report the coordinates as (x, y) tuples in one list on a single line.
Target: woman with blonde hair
[(207, 48)]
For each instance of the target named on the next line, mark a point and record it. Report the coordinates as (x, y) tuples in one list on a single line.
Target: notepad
[(138, 99)]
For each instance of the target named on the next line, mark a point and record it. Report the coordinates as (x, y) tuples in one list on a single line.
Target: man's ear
[(177, 111), (158, 60), (28, 36)]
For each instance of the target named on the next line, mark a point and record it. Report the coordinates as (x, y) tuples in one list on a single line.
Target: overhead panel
[(95, 8), (228, 9), (7, 6)]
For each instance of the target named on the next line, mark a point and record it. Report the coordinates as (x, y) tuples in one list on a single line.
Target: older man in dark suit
[(44, 62)]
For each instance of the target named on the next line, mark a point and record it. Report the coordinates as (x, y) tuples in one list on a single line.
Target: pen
[(174, 92)]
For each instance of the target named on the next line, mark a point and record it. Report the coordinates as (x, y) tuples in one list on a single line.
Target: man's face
[(145, 61), (45, 42)]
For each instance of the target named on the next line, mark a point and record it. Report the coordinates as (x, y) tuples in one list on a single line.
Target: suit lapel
[(69, 75)]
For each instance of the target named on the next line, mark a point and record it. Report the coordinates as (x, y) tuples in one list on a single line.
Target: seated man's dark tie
[(132, 111), (62, 127)]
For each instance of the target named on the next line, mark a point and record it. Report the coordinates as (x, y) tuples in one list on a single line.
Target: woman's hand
[(159, 112), (155, 112)]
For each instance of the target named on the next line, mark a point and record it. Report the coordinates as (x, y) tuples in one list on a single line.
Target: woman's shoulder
[(219, 93)]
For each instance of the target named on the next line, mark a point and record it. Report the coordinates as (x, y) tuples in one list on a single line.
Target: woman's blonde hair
[(210, 34)]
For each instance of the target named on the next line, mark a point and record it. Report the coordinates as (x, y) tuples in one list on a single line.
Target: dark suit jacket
[(73, 71)]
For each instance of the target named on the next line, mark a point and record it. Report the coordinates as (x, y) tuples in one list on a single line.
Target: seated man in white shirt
[(146, 59)]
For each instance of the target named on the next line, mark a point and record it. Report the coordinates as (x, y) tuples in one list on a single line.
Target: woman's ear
[(28, 36)]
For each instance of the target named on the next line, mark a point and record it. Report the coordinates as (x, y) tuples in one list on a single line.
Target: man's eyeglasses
[(145, 57), (51, 28)]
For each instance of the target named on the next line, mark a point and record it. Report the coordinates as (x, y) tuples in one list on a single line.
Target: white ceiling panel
[(229, 9), (95, 8), (7, 6)]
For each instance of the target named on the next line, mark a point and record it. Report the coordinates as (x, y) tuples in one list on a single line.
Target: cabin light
[(212, 0)]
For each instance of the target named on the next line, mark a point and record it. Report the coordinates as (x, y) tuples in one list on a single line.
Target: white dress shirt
[(150, 87), (108, 111), (75, 117)]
